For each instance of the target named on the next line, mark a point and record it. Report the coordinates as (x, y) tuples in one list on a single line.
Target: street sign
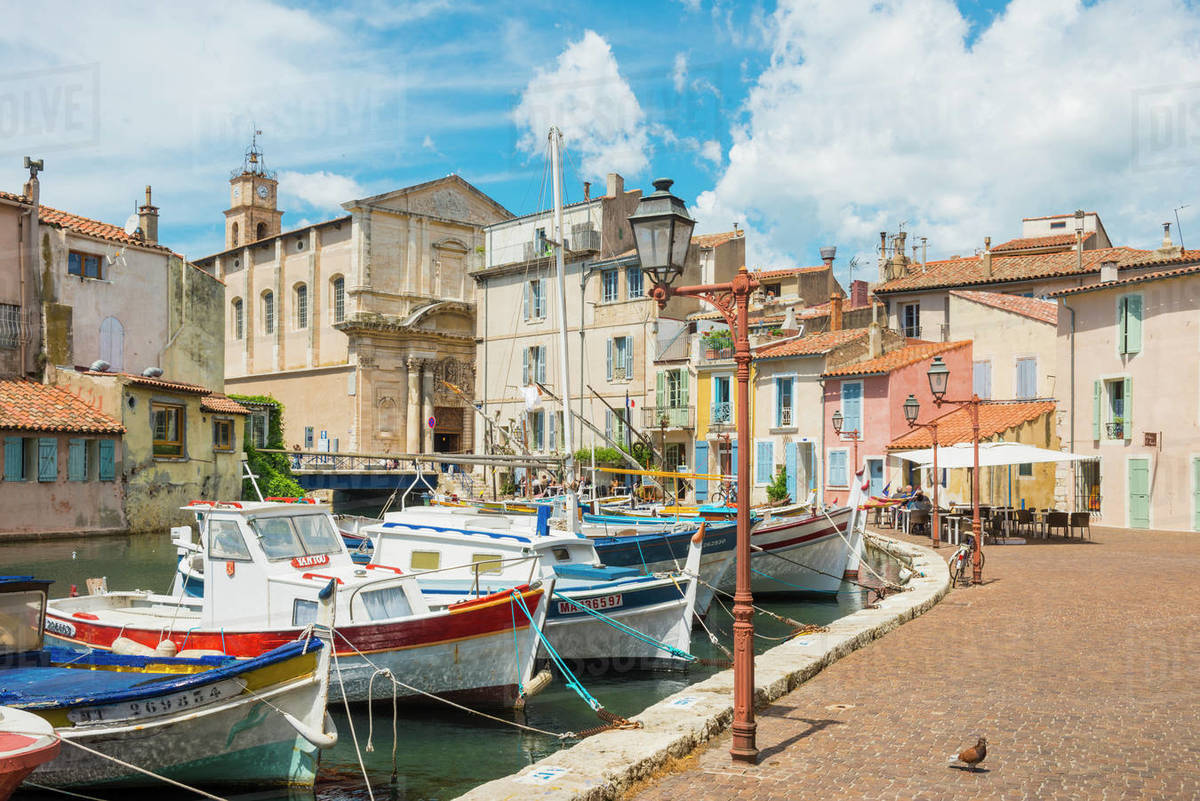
[(432, 421)]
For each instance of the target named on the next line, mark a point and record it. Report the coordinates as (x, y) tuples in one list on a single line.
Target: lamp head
[(837, 421), (662, 234), (912, 408), (939, 377)]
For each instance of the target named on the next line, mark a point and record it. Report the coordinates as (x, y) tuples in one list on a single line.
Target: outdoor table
[(904, 514), (953, 525)]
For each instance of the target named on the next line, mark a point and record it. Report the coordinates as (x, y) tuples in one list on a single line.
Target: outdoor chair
[(1059, 520), (1025, 522), (918, 521), (1083, 522)]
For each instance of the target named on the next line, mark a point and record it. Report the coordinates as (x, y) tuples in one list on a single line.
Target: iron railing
[(674, 416), (721, 414), (1115, 429)]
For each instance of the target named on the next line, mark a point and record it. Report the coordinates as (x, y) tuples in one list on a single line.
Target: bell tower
[(252, 215)]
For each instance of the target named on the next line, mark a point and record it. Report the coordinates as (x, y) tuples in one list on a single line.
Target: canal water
[(440, 752)]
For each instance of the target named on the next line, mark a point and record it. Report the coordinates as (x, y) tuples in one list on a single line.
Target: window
[(112, 342), (486, 562), (14, 459), (910, 320), (533, 365), (1087, 486), (260, 232), (852, 392), (537, 429), (633, 278), (677, 387), (168, 429), (77, 461), (85, 265), (1025, 470), (535, 299), (1112, 412), (339, 299), (722, 406), (222, 435), (783, 402), (1027, 377), (1058, 224), (764, 463), (308, 436), (10, 325), (773, 289), (268, 306), (106, 449), (837, 470), (301, 306), (225, 541), (541, 245), (609, 285), (614, 425), (287, 538), (238, 319), (620, 359), (981, 379), (1129, 324), (47, 454), (256, 428), (235, 235), (425, 560)]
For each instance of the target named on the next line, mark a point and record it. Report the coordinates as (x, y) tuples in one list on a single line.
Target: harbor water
[(440, 752)]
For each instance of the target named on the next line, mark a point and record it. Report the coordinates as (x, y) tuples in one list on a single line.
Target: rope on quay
[(880, 591), (48, 789), (802, 628), (798, 629)]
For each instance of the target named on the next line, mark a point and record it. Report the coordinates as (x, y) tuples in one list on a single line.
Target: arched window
[(268, 312), (301, 306), (338, 299), (234, 238), (238, 319), (112, 342), (261, 232)]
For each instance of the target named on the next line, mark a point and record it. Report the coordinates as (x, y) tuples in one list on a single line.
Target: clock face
[(237, 192), (263, 191)]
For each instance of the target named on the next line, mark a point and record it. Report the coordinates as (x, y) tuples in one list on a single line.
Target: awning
[(991, 454)]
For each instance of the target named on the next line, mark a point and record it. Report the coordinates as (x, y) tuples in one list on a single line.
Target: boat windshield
[(21, 621), (299, 535)]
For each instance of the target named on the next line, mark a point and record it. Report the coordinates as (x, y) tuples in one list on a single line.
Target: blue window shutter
[(790, 462), (1128, 427), (765, 463), (852, 406), (107, 465), (525, 305), (48, 459), (14, 459), (1133, 324), (542, 363), (608, 359), (701, 466), (733, 462), (551, 439), (837, 469), (76, 459), (778, 402)]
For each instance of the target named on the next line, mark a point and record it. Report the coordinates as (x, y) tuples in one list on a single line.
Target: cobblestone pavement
[(1080, 662)]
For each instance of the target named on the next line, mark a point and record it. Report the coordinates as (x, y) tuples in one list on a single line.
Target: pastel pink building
[(869, 395)]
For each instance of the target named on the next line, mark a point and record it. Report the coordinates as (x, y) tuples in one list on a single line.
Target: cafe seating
[(1058, 520), (918, 521), (1083, 522)]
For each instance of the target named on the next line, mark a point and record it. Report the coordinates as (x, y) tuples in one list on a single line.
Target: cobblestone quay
[(1080, 662)]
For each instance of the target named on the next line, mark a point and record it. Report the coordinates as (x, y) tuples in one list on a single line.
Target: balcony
[(785, 417), (1115, 429), (675, 417), (721, 414)]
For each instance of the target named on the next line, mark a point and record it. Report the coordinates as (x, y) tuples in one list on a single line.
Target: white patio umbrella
[(991, 454)]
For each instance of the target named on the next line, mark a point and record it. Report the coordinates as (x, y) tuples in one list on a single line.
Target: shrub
[(274, 470), (777, 490)]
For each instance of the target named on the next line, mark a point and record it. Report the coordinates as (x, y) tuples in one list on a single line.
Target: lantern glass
[(912, 408), (837, 422), (662, 233), (939, 377)]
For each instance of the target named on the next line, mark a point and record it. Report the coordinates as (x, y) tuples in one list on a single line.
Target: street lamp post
[(838, 422), (939, 378), (662, 233), (912, 408)]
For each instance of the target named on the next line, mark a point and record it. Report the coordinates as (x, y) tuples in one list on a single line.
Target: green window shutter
[(47, 459), (525, 367), (107, 449), (683, 387), (14, 459), (660, 390), (1133, 324), (1128, 427), (628, 358), (76, 460), (609, 359), (1097, 394)]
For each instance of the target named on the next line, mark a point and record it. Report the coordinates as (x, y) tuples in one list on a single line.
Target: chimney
[(1108, 272), (874, 340), (616, 185), (987, 256), (858, 294), (835, 311), (148, 220), (587, 191), (1168, 248), (883, 259), (828, 254), (1166, 235), (789, 320)]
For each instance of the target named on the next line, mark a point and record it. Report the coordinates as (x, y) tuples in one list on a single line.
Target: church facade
[(357, 323)]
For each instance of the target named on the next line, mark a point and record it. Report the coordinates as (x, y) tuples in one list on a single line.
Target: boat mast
[(559, 241)]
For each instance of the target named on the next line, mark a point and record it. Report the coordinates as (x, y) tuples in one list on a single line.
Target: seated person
[(920, 502)]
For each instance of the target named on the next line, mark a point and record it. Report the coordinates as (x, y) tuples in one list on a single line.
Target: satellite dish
[(132, 223)]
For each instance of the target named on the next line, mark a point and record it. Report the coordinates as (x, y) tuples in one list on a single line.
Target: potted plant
[(716, 342)]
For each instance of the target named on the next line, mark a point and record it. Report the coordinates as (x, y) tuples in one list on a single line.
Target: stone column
[(412, 439), (427, 410)]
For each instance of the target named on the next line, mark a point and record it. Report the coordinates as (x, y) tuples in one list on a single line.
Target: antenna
[(854, 262), (131, 223), (1178, 228)]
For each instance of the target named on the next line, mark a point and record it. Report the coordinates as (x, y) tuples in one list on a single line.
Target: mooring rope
[(129, 765), (626, 629), (883, 581), (346, 703), (49, 789)]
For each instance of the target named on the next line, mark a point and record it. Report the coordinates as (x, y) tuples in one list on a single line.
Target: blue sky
[(815, 122)]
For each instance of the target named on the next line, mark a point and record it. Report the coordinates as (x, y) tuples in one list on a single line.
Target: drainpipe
[(819, 462), (33, 192), (1074, 465)]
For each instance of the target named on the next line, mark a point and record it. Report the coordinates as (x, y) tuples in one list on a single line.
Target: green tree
[(274, 470), (777, 490)]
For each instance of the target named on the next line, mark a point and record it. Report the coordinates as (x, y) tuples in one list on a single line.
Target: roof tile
[(155, 383), (222, 404), (29, 406), (1045, 311), (912, 353), (1064, 241), (90, 227), (955, 427), (810, 345), (1136, 279), (714, 240)]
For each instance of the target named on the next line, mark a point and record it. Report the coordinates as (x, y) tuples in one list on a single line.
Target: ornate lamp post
[(662, 232), (912, 408), (838, 422), (939, 378)]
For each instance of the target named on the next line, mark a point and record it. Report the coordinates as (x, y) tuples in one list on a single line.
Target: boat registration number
[(598, 603), (161, 705)]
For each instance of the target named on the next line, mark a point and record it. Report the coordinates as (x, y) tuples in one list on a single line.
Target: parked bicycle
[(961, 559)]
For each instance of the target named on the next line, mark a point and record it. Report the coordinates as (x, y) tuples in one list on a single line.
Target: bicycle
[(960, 559)]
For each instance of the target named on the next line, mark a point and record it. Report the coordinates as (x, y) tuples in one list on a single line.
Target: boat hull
[(26, 741), (806, 556)]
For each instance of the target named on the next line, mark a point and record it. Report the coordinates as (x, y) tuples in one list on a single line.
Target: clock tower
[(252, 215)]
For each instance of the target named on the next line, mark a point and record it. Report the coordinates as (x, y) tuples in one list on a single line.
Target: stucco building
[(355, 322), (1014, 342)]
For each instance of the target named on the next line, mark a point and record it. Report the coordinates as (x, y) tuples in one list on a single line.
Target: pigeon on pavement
[(974, 755)]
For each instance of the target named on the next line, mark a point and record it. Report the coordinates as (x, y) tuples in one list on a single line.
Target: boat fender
[(196, 653), (317, 738), (127, 647), (698, 537), (166, 648), (538, 683)]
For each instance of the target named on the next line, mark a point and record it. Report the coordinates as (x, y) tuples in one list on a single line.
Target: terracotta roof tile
[(1045, 311), (713, 240), (1032, 242), (912, 353), (90, 227), (786, 271), (28, 406), (222, 404), (14, 198), (155, 383), (955, 427), (810, 345), (1137, 279), (1013, 267)]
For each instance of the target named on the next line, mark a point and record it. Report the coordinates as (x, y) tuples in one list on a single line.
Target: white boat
[(261, 565)]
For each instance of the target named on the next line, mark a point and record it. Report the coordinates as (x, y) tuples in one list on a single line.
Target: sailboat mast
[(556, 179)]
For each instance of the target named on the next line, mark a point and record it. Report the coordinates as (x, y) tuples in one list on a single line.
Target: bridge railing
[(325, 461)]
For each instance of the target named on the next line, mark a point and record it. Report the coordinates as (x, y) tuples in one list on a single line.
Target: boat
[(463, 552), (193, 718), (260, 565), (26, 741)]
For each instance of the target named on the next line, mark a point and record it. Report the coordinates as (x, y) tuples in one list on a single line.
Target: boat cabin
[(22, 612)]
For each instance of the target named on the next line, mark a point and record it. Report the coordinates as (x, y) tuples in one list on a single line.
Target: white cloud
[(871, 113), (711, 150), (594, 107), (680, 72), (321, 190), (690, 5), (428, 144)]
